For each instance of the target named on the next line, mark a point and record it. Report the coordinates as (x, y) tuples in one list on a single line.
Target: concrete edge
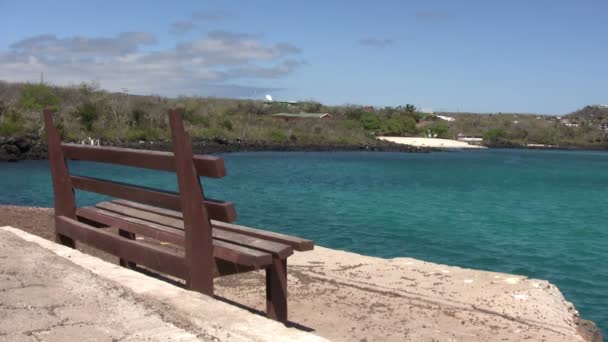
[(202, 313)]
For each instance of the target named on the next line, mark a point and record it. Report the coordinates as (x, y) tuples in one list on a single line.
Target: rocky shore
[(344, 296), (21, 148), (32, 148)]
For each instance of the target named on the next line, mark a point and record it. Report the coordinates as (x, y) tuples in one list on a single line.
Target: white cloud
[(182, 26), (129, 60), (376, 42)]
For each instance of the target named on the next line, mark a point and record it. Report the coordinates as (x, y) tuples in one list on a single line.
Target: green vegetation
[(38, 96), (86, 110), (278, 136), (87, 114), (496, 136), (11, 124), (522, 129)]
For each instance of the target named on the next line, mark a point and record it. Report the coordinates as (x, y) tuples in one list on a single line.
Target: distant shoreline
[(31, 148)]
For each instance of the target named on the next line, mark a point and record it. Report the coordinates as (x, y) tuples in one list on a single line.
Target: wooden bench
[(185, 235)]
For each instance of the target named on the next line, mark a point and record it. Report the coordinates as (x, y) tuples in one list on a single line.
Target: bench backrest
[(208, 166), (196, 210)]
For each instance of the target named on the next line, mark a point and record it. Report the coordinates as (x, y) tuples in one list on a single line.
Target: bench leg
[(64, 240), (276, 290), (130, 236)]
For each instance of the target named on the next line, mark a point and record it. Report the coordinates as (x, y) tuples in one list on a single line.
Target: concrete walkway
[(44, 296), (52, 293)]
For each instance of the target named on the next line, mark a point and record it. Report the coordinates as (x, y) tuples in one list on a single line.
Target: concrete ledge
[(193, 312)]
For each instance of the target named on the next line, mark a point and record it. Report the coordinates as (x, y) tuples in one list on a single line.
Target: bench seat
[(228, 246)]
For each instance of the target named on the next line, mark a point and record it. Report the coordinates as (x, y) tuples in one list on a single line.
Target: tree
[(495, 136), (438, 129), (370, 121), (401, 126), (87, 114)]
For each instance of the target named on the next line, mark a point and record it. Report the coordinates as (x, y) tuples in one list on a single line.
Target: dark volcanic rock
[(20, 148), (24, 144), (13, 149), (9, 152)]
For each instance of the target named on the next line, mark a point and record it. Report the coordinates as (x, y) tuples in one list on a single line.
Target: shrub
[(38, 96), (227, 124), (370, 121), (138, 117), (196, 119), (214, 132), (143, 134), (278, 135), (86, 113), (401, 125), (10, 127), (343, 141), (495, 136), (65, 134), (438, 129)]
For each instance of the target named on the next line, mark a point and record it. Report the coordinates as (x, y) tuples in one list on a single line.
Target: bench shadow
[(289, 324), (181, 284)]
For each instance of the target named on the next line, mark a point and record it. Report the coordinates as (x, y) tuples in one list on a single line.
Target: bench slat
[(296, 243), (162, 260), (133, 225), (218, 210), (208, 166), (278, 249), (236, 254)]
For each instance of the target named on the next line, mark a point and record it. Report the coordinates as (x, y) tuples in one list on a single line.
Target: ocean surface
[(543, 214)]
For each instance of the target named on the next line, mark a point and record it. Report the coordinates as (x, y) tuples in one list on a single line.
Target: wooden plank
[(140, 227), (208, 166), (156, 258), (296, 243), (221, 249), (65, 203), (240, 255), (198, 243), (219, 210), (275, 248), (142, 214), (149, 208)]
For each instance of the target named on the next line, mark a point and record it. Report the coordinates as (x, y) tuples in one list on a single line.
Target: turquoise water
[(542, 214)]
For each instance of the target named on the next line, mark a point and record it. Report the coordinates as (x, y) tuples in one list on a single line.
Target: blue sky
[(483, 56)]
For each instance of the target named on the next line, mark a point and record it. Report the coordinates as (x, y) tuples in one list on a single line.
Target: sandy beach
[(345, 296), (431, 142)]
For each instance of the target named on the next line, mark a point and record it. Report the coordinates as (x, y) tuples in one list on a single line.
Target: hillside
[(593, 114), (215, 124), (220, 124)]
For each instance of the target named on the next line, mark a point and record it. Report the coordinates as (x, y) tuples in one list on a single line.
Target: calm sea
[(543, 214)]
